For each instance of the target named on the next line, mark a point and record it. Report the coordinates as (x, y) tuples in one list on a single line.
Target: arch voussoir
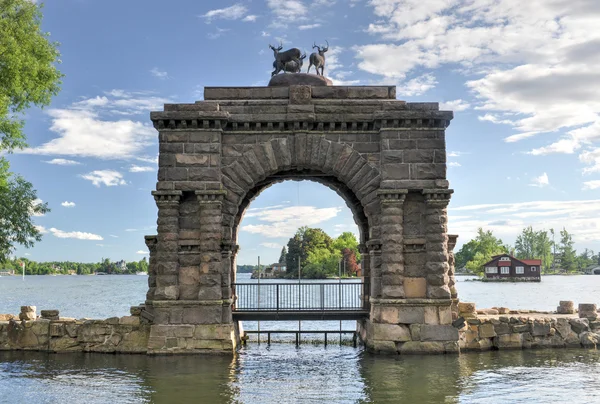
[(338, 167), (334, 152), (266, 157), (282, 153), (253, 166)]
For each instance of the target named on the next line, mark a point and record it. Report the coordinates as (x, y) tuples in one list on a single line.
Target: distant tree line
[(80, 268), (556, 255)]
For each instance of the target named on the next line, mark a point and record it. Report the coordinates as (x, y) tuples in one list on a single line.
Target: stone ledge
[(412, 302), (171, 303)]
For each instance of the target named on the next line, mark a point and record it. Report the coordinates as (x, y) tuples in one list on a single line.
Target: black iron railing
[(299, 296)]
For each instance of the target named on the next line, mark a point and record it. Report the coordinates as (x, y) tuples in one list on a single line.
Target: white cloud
[(580, 217), (271, 245), (68, 204), (108, 178), (591, 157), (455, 105), (148, 159), (287, 11), (92, 127), (62, 162), (308, 26), (234, 12), (218, 33), (454, 164), (533, 65), (112, 235), (159, 73), (41, 229), (278, 222), (141, 169), (588, 185), (142, 252), (540, 181), (74, 234), (416, 86), (250, 18)]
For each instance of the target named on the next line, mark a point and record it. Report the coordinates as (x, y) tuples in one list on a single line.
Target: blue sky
[(522, 77)]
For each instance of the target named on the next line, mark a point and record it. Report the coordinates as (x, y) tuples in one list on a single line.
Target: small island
[(316, 255)]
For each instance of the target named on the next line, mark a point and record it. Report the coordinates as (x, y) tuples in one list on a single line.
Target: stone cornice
[(374, 245), (208, 196), (392, 195), (438, 196), (167, 197)]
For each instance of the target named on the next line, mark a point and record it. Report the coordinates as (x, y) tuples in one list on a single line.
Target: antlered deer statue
[(281, 58), (318, 59)]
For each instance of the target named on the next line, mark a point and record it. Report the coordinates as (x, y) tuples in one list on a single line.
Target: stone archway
[(385, 157)]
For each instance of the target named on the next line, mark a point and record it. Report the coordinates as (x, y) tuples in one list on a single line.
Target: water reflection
[(282, 373)]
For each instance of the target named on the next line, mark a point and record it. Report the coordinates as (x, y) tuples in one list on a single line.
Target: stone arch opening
[(330, 182), (352, 202)]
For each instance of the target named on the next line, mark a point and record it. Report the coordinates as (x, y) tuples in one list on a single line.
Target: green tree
[(532, 244), (568, 255), (586, 259), (18, 202), (282, 256), (28, 76), (347, 240), (480, 250)]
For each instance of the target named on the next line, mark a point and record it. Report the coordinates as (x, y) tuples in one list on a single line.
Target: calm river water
[(282, 373)]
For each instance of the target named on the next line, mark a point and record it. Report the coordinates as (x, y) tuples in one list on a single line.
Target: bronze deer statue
[(292, 66), (318, 59), (281, 58)]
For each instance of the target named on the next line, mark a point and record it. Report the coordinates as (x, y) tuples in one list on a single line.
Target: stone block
[(563, 327), (589, 339), (504, 328), (210, 292), (588, 310), (211, 314), (509, 341), (395, 171), (129, 320), (438, 333), (467, 308), (388, 314), (415, 287), (565, 307), (392, 291), (166, 293), (431, 315), (27, 316), (445, 315), (421, 348), (57, 330), (391, 332), (540, 329), (50, 314), (384, 346), (411, 315), (487, 330), (579, 325)]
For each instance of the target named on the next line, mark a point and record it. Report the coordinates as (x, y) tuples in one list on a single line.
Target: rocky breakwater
[(52, 333), (488, 329)]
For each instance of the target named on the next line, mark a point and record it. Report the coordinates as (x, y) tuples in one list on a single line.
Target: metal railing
[(299, 296)]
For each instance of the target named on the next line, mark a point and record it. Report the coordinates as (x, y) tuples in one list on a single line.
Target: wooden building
[(505, 266)]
